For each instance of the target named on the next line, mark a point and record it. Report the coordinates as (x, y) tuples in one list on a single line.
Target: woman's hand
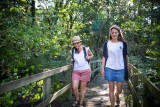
[(90, 55), (103, 65), (102, 72), (87, 57)]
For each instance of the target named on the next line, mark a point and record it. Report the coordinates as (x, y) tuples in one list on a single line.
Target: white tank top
[(115, 55), (80, 63)]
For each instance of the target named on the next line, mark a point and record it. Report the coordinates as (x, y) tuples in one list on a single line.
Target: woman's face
[(114, 34), (77, 45)]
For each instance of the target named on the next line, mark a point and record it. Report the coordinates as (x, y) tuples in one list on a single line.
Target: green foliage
[(26, 95), (32, 41), (29, 48)]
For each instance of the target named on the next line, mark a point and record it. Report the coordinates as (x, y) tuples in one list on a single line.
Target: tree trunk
[(33, 12)]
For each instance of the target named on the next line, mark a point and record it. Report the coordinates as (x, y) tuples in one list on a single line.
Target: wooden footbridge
[(97, 89), (98, 94)]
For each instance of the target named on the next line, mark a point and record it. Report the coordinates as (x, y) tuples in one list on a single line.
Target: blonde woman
[(81, 70)]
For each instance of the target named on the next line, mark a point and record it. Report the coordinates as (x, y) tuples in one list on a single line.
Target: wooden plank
[(139, 104), (95, 61), (96, 69), (54, 96), (27, 80), (98, 93), (152, 88)]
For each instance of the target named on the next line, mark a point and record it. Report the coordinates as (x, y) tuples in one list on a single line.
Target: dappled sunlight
[(98, 93)]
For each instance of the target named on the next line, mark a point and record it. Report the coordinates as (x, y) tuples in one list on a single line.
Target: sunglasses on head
[(76, 43)]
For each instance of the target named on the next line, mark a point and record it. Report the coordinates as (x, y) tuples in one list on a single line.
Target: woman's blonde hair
[(120, 36)]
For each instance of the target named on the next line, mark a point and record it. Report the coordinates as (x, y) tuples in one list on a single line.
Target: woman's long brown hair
[(120, 36)]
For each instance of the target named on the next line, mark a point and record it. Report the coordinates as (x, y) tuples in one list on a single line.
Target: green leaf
[(60, 15), (39, 90), (10, 101), (15, 69), (8, 95), (32, 67), (39, 11), (36, 96), (24, 1)]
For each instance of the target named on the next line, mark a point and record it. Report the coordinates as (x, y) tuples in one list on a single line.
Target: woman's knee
[(119, 88), (119, 91), (83, 85), (111, 90), (111, 86), (75, 87)]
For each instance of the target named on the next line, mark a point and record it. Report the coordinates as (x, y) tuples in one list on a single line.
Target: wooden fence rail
[(133, 83), (134, 78), (46, 77), (152, 88)]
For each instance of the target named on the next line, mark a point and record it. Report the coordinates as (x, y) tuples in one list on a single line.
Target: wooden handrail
[(46, 77), (152, 88), (27, 80), (133, 83), (54, 96), (135, 96)]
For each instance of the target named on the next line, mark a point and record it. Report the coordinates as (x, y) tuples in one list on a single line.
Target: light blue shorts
[(114, 75)]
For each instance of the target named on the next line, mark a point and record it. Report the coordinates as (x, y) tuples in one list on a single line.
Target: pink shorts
[(82, 75)]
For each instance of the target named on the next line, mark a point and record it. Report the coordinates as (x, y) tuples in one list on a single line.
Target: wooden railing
[(134, 78), (46, 77), (96, 67), (133, 83)]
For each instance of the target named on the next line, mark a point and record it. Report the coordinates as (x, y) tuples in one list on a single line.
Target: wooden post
[(92, 73), (134, 82), (135, 79), (129, 76), (70, 90), (46, 87), (129, 71)]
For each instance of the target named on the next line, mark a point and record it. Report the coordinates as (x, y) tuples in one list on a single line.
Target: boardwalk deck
[(98, 94)]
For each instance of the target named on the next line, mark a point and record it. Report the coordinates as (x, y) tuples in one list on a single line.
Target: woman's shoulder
[(106, 42), (124, 42), (86, 47)]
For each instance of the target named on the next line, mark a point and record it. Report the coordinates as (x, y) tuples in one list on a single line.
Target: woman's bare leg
[(118, 91), (75, 85), (83, 91), (111, 93)]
